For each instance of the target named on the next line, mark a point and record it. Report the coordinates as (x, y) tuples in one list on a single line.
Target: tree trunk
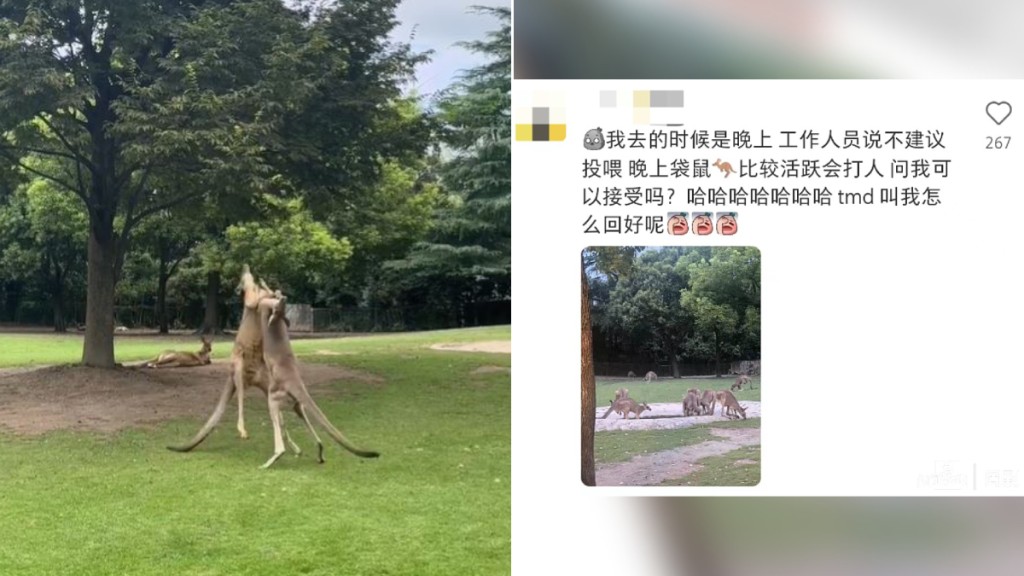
[(675, 366), (57, 300), (587, 387), (718, 359), (211, 321), (98, 350), (161, 296)]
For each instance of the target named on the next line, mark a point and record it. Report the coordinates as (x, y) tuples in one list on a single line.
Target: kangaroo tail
[(307, 402), (608, 411), (225, 395)]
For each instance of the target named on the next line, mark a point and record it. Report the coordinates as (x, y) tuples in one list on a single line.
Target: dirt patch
[(493, 346), (79, 398), (653, 469), (491, 370)]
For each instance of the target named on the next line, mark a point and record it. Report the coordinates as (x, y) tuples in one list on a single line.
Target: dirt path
[(39, 400), (653, 469)]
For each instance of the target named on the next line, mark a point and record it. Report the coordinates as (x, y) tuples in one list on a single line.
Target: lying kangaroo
[(730, 406), (175, 359), (248, 369), (286, 384)]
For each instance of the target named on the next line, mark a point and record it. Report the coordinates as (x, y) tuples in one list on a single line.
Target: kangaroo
[(248, 369), (691, 402), (628, 406), (738, 384), (285, 384), (619, 395), (707, 402), (724, 167), (730, 406), (651, 376), (175, 359), (625, 405), (631, 374)]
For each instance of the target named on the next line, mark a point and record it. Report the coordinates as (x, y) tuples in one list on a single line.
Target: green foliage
[(288, 248), (42, 231), (675, 303), (159, 106), (468, 254)]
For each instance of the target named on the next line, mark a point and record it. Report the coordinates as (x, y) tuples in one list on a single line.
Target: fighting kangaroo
[(285, 384), (248, 369), (175, 359)]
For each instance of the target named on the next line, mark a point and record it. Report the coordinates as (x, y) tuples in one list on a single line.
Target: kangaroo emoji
[(724, 167)]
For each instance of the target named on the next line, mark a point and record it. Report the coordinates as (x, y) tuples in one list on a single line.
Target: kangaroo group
[(695, 403), (263, 358)]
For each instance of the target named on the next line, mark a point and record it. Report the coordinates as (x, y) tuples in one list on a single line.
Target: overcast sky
[(442, 23)]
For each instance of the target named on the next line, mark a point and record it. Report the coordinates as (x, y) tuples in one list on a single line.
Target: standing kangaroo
[(247, 366), (285, 384), (724, 167), (175, 359)]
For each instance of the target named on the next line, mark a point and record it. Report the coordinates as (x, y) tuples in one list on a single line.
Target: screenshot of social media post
[(786, 287)]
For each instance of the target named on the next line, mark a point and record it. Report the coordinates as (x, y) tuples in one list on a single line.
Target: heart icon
[(998, 111)]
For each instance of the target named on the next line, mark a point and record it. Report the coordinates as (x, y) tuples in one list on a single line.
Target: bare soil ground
[(653, 469), (39, 400), (493, 346)]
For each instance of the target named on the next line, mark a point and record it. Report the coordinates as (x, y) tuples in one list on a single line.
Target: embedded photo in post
[(672, 359)]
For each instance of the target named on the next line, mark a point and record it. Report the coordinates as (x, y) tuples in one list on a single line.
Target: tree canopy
[(676, 305), (174, 141)]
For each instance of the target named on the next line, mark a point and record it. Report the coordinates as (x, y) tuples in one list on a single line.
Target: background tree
[(468, 254), (289, 248), (166, 240), (675, 304), (245, 97), (42, 232)]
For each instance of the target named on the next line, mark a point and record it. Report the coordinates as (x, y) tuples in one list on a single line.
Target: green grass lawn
[(740, 467), (438, 501), (671, 389), (35, 349), (621, 445)]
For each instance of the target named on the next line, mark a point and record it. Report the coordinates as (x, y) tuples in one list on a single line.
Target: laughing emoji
[(702, 225), (677, 225), (726, 223)]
